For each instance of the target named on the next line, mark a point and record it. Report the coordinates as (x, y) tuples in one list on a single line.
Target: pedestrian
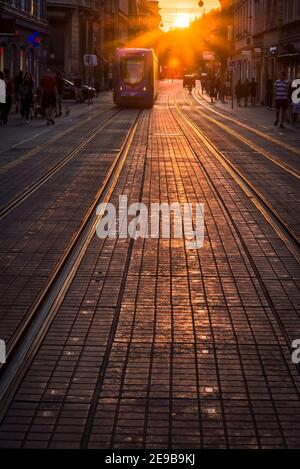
[(239, 92), (246, 91), (202, 85), (26, 96), (269, 93), (18, 80), (78, 89), (60, 92), (212, 90), (253, 91), (49, 90), (217, 88), (222, 91), (281, 88), (2, 96), (9, 94)]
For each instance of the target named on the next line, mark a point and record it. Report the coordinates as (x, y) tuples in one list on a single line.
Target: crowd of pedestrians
[(216, 87), (30, 99), (245, 91), (278, 93)]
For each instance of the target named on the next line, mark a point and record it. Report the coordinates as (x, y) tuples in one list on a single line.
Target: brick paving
[(278, 187), (258, 117), (161, 346), (35, 234), (17, 132)]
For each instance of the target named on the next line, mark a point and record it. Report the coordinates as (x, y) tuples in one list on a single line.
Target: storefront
[(26, 47)]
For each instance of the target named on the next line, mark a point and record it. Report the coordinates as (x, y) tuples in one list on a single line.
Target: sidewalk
[(18, 132), (259, 116)]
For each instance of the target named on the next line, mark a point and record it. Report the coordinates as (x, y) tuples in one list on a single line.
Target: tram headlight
[(145, 88), (121, 88)]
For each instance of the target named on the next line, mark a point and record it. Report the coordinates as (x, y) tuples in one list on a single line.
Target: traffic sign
[(209, 55)]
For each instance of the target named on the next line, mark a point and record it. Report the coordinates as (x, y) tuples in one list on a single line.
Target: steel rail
[(249, 143), (56, 137), (247, 127), (27, 339), (29, 190), (284, 231)]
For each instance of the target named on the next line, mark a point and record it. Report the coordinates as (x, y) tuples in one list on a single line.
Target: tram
[(135, 77)]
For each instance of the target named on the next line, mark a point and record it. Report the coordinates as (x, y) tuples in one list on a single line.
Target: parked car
[(70, 90)]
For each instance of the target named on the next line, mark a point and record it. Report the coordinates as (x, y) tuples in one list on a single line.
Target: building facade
[(23, 36), (265, 39), (59, 33), (79, 27), (76, 28)]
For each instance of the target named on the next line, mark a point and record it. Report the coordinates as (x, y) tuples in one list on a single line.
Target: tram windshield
[(132, 69)]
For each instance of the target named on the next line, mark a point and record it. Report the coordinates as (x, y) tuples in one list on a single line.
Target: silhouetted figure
[(239, 92), (253, 91), (246, 92)]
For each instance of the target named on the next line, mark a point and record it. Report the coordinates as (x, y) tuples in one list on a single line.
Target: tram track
[(26, 340), (247, 127), (29, 190), (261, 151), (33, 151), (286, 233), (265, 209)]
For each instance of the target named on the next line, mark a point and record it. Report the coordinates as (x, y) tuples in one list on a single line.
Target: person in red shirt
[(49, 90)]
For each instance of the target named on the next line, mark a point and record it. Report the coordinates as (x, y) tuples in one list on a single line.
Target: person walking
[(239, 92), (281, 88), (246, 91), (253, 91), (9, 94), (2, 96), (18, 80), (212, 89), (26, 96), (49, 90), (60, 92)]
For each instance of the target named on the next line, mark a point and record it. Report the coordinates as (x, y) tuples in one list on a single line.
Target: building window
[(290, 11), (27, 5)]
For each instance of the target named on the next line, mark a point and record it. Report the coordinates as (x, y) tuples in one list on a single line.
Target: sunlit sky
[(179, 13)]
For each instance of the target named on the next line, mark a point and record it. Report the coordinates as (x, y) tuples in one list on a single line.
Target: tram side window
[(132, 69)]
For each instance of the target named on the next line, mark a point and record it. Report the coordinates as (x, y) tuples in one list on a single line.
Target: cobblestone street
[(149, 343)]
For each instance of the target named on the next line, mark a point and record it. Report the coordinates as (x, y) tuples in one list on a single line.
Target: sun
[(182, 21)]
